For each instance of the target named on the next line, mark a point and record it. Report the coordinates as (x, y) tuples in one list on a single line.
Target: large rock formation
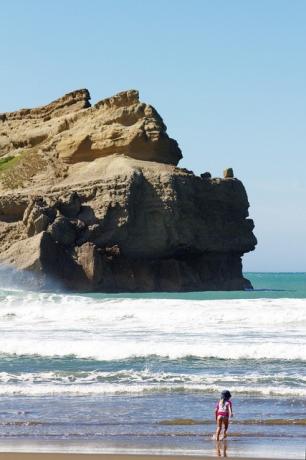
[(91, 197)]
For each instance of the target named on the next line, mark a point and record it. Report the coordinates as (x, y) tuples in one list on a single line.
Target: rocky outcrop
[(72, 131), (71, 102), (117, 221)]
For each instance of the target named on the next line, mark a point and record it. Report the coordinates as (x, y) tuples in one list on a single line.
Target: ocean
[(142, 372)]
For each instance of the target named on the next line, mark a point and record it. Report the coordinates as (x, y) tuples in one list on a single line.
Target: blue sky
[(227, 76)]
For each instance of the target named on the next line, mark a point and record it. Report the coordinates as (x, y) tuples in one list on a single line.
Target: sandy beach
[(73, 456)]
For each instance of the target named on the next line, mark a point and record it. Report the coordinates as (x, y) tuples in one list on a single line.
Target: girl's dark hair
[(226, 395)]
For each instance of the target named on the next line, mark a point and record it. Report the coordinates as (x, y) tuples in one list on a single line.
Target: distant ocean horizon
[(142, 372)]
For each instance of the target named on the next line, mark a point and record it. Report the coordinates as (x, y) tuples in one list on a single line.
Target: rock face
[(120, 124), (110, 211)]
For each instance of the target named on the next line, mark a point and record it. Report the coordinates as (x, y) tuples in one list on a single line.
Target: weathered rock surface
[(73, 131), (111, 211)]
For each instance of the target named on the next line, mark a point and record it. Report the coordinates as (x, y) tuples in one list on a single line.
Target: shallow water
[(143, 372)]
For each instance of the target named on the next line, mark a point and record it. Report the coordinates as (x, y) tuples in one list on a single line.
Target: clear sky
[(227, 76)]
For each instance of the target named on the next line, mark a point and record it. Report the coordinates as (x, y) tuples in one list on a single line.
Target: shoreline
[(93, 451), (95, 456)]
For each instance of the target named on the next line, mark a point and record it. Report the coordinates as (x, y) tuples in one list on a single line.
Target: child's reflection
[(221, 448)]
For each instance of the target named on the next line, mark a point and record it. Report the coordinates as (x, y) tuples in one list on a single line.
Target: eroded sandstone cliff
[(92, 197)]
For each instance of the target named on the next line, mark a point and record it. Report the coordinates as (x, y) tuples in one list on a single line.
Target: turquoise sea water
[(266, 285), (142, 372)]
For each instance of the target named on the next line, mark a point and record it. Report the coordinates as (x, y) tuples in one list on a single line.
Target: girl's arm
[(231, 414), (216, 411)]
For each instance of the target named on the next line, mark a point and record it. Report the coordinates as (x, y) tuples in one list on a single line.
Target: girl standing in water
[(223, 411)]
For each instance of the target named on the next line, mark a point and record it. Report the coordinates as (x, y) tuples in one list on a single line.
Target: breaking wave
[(37, 328), (112, 329)]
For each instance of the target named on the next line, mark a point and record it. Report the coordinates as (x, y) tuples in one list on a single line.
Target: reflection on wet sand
[(221, 448)]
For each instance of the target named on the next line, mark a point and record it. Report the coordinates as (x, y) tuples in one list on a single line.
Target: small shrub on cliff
[(14, 173), (7, 162)]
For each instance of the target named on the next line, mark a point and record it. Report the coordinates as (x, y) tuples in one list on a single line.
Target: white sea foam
[(108, 350), (140, 382), (146, 376), (59, 325), (113, 389)]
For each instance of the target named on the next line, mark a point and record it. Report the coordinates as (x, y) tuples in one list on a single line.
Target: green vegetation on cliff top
[(7, 162), (15, 171)]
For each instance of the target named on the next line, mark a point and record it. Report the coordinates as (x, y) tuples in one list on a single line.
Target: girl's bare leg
[(219, 427), (225, 421)]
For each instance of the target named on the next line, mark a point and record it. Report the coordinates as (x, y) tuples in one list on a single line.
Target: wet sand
[(74, 456)]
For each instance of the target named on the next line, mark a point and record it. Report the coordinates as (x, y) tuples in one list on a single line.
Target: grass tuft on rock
[(16, 171), (7, 162)]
